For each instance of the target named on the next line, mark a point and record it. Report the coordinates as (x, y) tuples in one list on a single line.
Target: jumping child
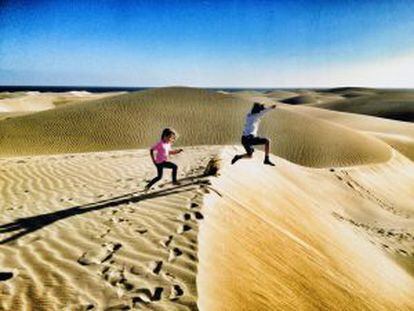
[(163, 150), (250, 138)]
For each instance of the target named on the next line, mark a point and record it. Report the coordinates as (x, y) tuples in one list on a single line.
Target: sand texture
[(306, 239), (135, 120), (330, 227), (77, 233)]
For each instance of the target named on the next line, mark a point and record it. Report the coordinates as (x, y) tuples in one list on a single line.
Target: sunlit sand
[(329, 227)]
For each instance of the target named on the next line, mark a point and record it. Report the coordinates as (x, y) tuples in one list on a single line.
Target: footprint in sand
[(146, 296), (185, 216), (174, 253), (156, 266), (183, 228), (4, 276), (116, 277), (166, 242), (100, 254), (141, 230), (198, 216), (87, 307), (176, 292)]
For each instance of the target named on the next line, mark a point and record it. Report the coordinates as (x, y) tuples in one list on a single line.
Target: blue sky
[(207, 43)]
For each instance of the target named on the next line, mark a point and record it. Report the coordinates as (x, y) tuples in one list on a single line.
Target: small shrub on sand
[(213, 167)]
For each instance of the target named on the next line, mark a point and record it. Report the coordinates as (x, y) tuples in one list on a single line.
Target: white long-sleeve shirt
[(252, 122)]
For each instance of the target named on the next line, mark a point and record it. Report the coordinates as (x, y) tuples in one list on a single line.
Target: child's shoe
[(235, 159), (268, 162)]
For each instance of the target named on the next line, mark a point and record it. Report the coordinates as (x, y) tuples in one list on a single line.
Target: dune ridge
[(397, 134), (118, 123), (330, 227), (391, 104)]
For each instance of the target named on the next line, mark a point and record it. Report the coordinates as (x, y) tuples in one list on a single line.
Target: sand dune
[(279, 95), (308, 239), (300, 100), (350, 92), (399, 135), (37, 101), (397, 105), (135, 121), (76, 232)]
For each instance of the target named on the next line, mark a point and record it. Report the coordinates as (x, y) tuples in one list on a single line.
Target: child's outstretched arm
[(267, 109), (176, 151)]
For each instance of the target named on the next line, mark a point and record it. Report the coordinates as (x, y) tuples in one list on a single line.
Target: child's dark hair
[(257, 107), (167, 132)]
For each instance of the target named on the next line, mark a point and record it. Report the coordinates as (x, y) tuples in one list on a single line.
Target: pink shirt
[(162, 151)]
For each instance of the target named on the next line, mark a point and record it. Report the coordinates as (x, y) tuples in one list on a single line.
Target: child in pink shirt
[(160, 160)]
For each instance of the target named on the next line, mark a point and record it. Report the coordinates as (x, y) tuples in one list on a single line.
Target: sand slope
[(37, 101), (77, 233), (135, 120), (399, 135), (290, 238)]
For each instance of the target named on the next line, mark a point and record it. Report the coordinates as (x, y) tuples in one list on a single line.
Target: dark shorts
[(249, 141)]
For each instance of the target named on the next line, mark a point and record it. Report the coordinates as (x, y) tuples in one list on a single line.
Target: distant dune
[(135, 120), (399, 135), (397, 105), (300, 100)]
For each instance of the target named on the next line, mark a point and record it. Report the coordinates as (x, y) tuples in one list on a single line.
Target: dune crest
[(135, 120)]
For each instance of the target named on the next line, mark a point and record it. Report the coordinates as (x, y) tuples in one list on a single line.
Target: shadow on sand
[(24, 226)]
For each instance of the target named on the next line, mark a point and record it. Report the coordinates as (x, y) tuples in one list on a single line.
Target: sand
[(216, 119), (308, 239), (13, 104), (77, 232), (391, 104), (329, 227)]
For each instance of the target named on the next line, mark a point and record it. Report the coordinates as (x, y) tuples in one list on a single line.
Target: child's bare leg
[(237, 157), (267, 147), (267, 151)]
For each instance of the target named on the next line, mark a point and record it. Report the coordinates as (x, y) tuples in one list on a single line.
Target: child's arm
[(152, 155), (267, 109), (176, 151)]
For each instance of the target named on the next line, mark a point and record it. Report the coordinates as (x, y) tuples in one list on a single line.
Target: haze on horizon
[(207, 43)]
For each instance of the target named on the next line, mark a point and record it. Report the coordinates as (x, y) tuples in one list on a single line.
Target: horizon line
[(200, 87)]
